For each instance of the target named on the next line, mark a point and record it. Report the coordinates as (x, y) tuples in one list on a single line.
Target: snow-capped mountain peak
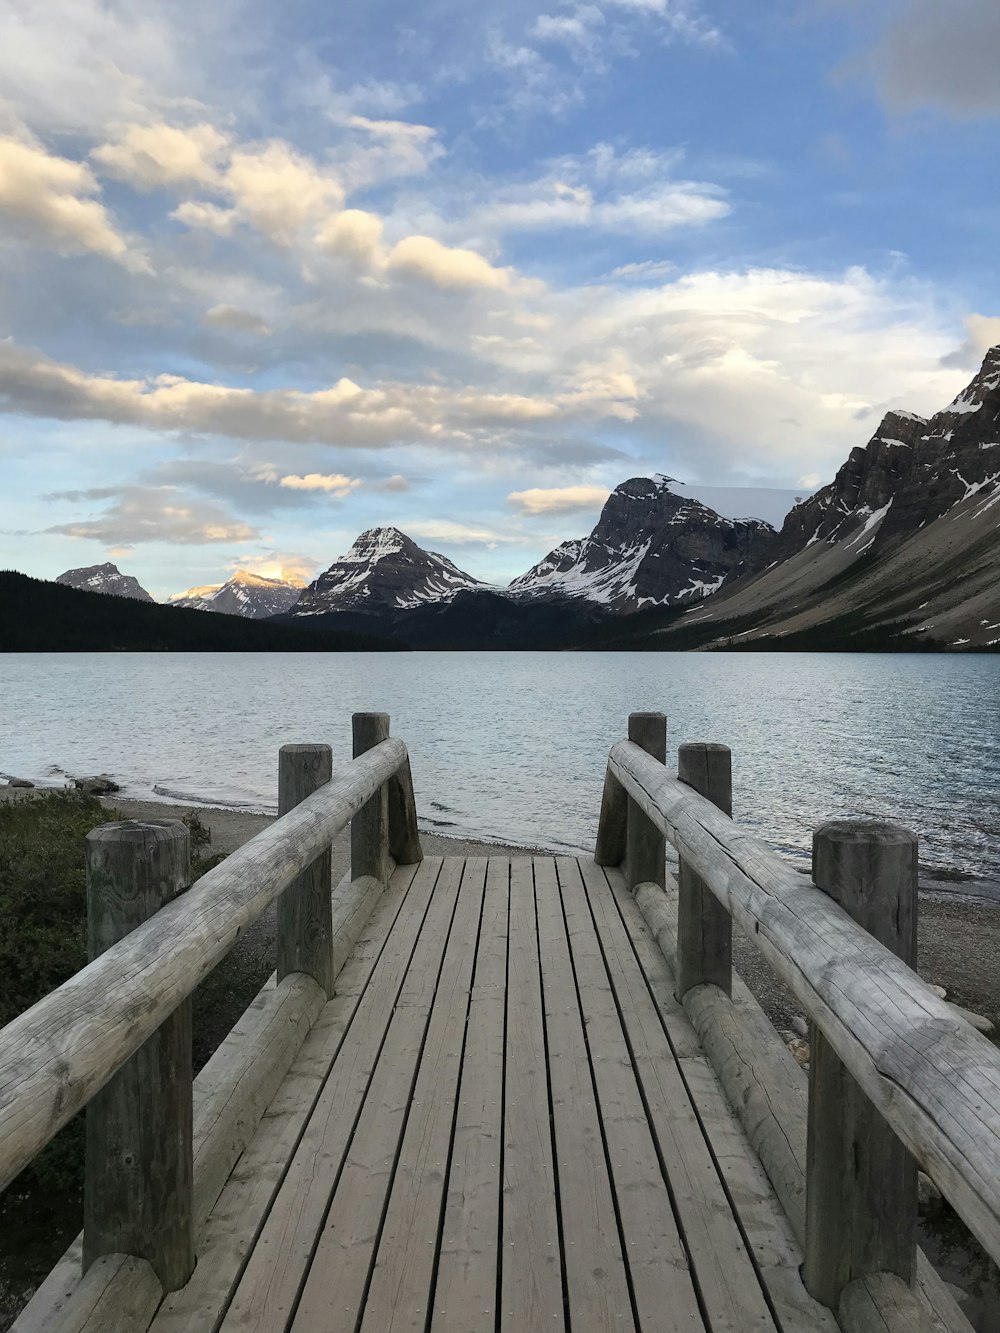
[(246, 593), (651, 546), (383, 568), (106, 578)]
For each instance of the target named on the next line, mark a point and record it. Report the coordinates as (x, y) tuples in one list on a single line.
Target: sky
[(274, 274)]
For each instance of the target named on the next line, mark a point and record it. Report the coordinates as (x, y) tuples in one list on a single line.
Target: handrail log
[(56, 1055), (931, 1075)]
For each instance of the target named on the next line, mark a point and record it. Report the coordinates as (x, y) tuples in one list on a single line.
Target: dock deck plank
[(501, 1123)]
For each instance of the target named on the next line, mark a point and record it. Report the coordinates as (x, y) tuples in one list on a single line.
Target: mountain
[(106, 578), (383, 571), (245, 594), (651, 547), (901, 549), (38, 616)]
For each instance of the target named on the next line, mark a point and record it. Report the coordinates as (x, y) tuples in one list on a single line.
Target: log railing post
[(370, 826), (404, 837), (645, 845), (610, 847), (861, 1183), (704, 927), (305, 909), (139, 1161)]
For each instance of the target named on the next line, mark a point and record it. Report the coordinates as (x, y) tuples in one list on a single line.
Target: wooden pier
[(499, 1095)]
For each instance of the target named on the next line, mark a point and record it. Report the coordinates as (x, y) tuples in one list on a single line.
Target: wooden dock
[(488, 1095)]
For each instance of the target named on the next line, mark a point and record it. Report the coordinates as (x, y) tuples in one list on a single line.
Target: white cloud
[(354, 234), (48, 198), (162, 156), (427, 260), (983, 332), (459, 534), (344, 414), (334, 483), (156, 514), (646, 270), (232, 317), (558, 499), (273, 188)]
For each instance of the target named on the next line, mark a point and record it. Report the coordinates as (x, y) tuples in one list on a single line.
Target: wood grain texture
[(730, 1290), (402, 1279), (766, 1088), (881, 1303), (645, 845), (139, 1173), (932, 1076), (662, 1285), (238, 1217), (531, 1295), (404, 837), (56, 1056), (861, 1183), (704, 926), (596, 1277), (465, 1299), (370, 826), (610, 847), (305, 927), (269, 1287)]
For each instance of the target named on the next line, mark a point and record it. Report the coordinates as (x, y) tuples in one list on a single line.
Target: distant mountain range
[(901, 550), (245, 594)]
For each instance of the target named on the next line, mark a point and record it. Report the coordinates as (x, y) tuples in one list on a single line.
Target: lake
[(512, 746)]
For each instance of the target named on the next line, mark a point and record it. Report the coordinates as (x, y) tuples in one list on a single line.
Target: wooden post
[(861, 1183), (704, 927), (645, 845), (305, 910), (370, 826), (404, 837), (139, 1163), (610, 847)]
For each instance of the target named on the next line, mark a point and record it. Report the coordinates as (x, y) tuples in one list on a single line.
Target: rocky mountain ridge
[(106, 578), (245, 594), (903, 543), (384, 570), (650, 547)]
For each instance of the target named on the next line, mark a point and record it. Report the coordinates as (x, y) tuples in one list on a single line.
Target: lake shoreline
[(959, 928)]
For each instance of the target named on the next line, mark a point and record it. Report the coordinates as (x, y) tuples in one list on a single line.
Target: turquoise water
[(512, 746)]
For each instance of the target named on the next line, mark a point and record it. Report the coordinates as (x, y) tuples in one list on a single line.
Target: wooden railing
[(117, 1035), (880, 1037)]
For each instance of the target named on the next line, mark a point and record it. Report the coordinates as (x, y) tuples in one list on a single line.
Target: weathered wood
[(934, 1078), (305, 927), (728, 1284), (861, 1183), (596, 1275), (231, 1093), (465, 1298), (370, 826), (403, 1276), (610, 848), (881, 1303), (704, 927), (276, 1269), (341, 1263), (139, 1173), (765, 1086), (404, 837), (239, 1214), (54, 1057), (662, 1282), (531, 1278), (645, 845)]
